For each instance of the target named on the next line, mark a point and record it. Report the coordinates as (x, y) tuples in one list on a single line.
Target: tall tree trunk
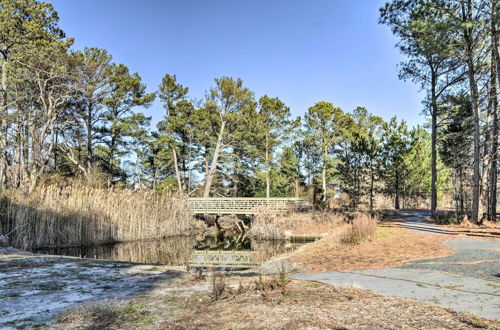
[(26, 149), (476, 178), (44, 158), (177, 174), (474, 97), (494, 146), (90, 149), (215, 160), (268, 184), (206, 162), (372, 179), (494, 36), (462, 193), (155, 176), (56, 141), (236, 179), (484, 189), (138, 174), (111, 158), (404, 196), (493, 168), (433, 147), (19, 150), (323, 175), (396, 188), (491, 142), (455, 192), (183, 164), (189, 175), (3, 125)]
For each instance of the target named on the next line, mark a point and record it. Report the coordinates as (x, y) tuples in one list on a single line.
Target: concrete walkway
[(467, 281)]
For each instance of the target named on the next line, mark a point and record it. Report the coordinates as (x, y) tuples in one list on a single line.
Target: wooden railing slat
[(241, 205)]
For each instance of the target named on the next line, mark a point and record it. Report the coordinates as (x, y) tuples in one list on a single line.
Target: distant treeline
[(76, 113)]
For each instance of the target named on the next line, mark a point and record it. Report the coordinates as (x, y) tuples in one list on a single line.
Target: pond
[(174, 251)]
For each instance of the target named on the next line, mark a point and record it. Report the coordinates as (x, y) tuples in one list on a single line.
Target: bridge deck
[(245, 205)]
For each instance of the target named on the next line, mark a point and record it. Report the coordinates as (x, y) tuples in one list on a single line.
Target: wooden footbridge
[(246, 205)]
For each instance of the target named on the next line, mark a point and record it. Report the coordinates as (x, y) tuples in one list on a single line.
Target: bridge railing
[(232, 259), (246, 205)]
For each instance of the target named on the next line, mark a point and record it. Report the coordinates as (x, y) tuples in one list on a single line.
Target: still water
[(173, 251)]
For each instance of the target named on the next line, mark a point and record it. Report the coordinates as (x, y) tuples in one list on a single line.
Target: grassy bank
[(75, 215), (385, 247)]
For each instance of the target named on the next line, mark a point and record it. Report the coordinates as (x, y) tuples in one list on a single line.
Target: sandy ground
[(34, 289)]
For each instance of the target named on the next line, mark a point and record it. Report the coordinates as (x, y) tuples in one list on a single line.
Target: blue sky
[(300, 51)]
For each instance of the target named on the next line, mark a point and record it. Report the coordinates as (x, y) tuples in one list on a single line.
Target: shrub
[(218, 285), (96, 316), (282, 279), (362, 227)]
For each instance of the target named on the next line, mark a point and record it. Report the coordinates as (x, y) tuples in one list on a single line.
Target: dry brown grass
[(76, 214), (362, 228), (268, 225), (487, 227), (389, 247), (100, 315), (305, 305)]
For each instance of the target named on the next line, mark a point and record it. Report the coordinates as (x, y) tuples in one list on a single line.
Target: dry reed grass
[(264, 225), (362, 227), (76, 215), (269, 225)]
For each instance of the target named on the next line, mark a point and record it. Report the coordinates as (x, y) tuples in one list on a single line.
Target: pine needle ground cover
[(388, 247), (246, 304)]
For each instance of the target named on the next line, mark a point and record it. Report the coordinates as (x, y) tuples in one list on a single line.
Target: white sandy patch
[(35, 290)]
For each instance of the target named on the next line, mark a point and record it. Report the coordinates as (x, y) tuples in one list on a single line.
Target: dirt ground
[(262, 304)]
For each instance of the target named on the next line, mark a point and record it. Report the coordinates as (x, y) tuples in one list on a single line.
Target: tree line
[(452, 51), (77, 113)]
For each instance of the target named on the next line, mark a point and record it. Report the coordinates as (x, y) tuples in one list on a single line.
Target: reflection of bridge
[(230, 259), (246, 205)]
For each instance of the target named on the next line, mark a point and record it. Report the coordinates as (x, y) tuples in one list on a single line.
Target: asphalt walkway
[(467, 281)]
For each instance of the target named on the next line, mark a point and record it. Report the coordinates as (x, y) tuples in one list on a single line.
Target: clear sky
[(302, 51)]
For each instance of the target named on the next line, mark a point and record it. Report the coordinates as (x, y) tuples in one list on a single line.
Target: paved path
[(467, 281), (414, 220)]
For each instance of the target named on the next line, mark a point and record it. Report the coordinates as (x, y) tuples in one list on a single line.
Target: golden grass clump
[(76, 214), (265, 225), (363, 227)]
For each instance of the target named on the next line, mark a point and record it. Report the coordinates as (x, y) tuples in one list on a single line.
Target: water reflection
[(174, 251)]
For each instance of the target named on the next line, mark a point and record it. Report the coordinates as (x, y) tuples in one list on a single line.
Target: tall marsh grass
[(76, 215), (269, 225), (363, 227)]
